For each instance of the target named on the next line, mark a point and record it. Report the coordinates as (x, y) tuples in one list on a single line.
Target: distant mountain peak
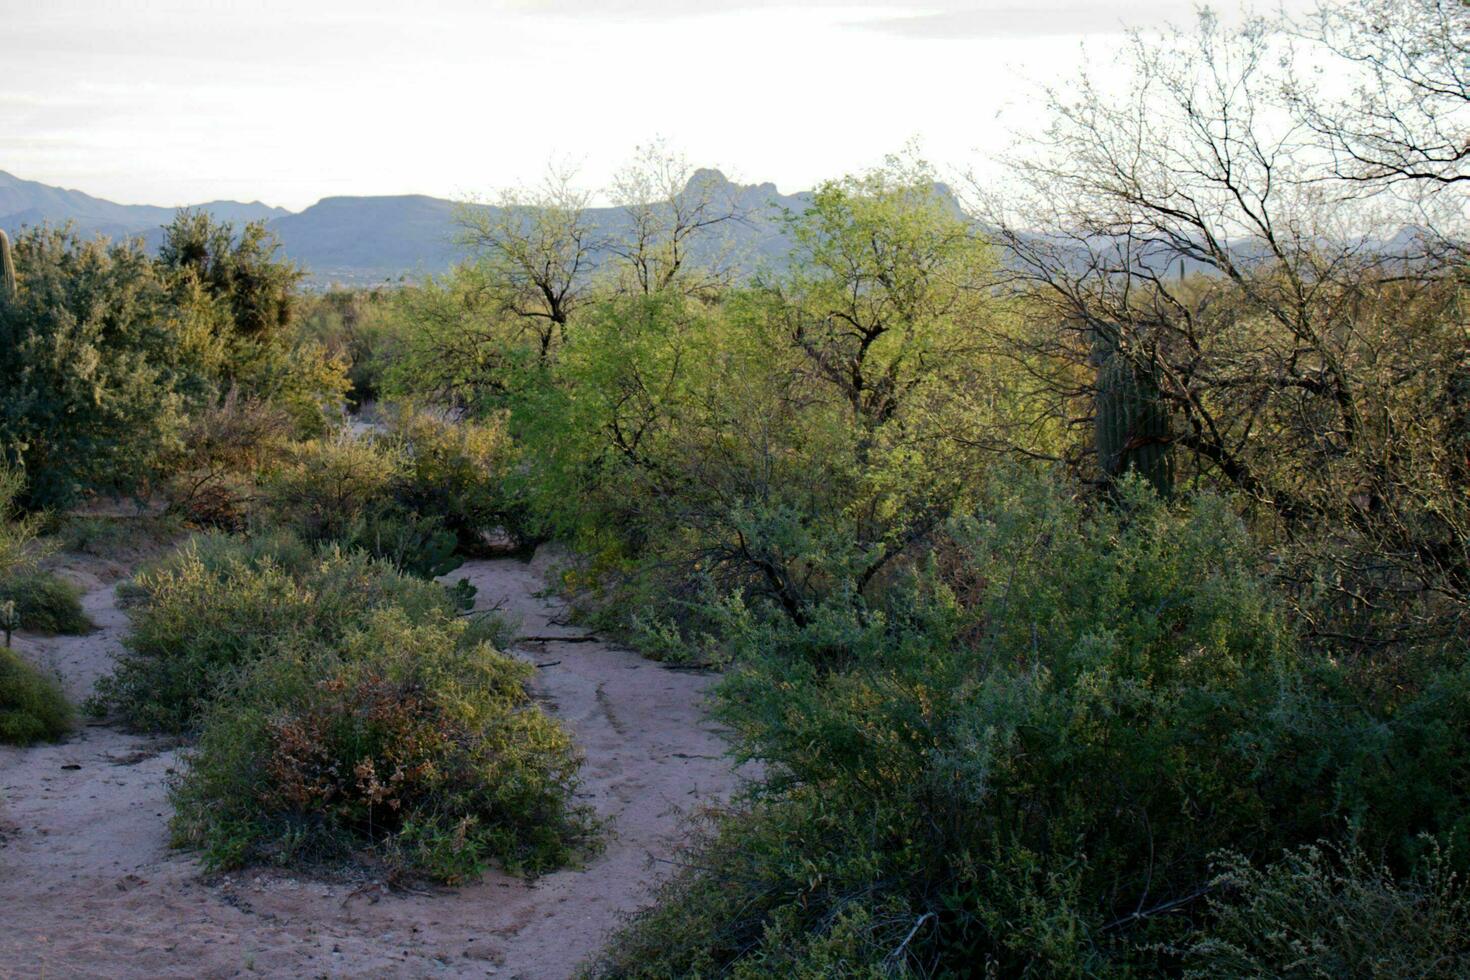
[(707, 177), (353, 239)]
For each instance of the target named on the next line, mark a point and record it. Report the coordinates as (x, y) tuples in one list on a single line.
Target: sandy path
[(88, 886)]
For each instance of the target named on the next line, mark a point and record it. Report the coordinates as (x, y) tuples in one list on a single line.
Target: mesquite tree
[(1304, 337)]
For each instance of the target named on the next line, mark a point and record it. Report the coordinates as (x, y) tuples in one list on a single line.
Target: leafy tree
[(537, 248), (250, 295), (1301, 357), (241, 271), (883, 287), (99, 361), (671, 214)]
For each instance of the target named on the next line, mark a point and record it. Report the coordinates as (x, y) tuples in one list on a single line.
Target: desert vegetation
[(32, 705), (1085, 556), (341, 708)]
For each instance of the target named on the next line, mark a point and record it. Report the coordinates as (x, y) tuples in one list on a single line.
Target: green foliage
[(358, 327), (220, 604), (126, 539), (789, 441), (30, 600), (17, 531), (344, 490), (400, 743), (420, 496), (882, 286), (106, 354), (1334, 913), (45, 603), (247, 296), (302, 378), (326, 489), (241, 271), (456, 344), (32, 707), (225, 445), (456, 473), (1025, 756), (97, 366)]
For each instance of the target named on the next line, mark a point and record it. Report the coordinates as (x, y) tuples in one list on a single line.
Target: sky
[(289, 101)]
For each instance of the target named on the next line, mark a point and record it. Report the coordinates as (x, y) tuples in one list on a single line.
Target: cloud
[(670, 9), (995, 21), (918, 19)]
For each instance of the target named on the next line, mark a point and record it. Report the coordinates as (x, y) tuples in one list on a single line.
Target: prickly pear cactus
[(1132, 423), (7, 269)]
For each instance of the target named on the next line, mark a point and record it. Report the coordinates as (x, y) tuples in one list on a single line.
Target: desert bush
[(32, 707), (239, 271), (399, 745), (224, 445), (30, 599), (325, 489), (107, 354), (303, 379), (220, 604), (411, 542), (45, 603), (1016, 764), (17, 531), (98, 366), (120, 538), (1324, 911), (248, 294), (357, 326), (342, 491), (456, 472)]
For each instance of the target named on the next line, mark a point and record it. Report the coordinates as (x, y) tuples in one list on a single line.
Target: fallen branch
[(1159, 909), (896, 957)]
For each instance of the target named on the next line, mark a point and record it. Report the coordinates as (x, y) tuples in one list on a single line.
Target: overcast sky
[(289, 101)]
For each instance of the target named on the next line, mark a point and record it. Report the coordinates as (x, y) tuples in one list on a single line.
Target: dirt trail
[(89, 887)]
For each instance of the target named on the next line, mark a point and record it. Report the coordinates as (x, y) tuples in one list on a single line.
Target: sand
[(90, 888)]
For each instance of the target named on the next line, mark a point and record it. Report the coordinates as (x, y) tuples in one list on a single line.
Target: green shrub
[(326, 488), (1028, 749), (17, 531), (46, 603), (1020, 761), (413, 543), (342, 491), (221, 603), (117, 538), (98, 364), (32, 707), (224, 445), (455, 472), (400, 744), (1333, 913)]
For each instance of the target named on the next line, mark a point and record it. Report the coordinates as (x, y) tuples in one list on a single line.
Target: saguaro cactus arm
[(1132, 422), (7, 269)]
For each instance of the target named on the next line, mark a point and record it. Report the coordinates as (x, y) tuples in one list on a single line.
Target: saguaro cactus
[(1131, 421), (7, 269)]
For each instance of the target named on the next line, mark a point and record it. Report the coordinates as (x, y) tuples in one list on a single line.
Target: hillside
[(29, 202), (370, 239)]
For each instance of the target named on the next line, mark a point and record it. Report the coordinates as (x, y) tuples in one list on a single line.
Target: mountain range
[(361, 240)]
